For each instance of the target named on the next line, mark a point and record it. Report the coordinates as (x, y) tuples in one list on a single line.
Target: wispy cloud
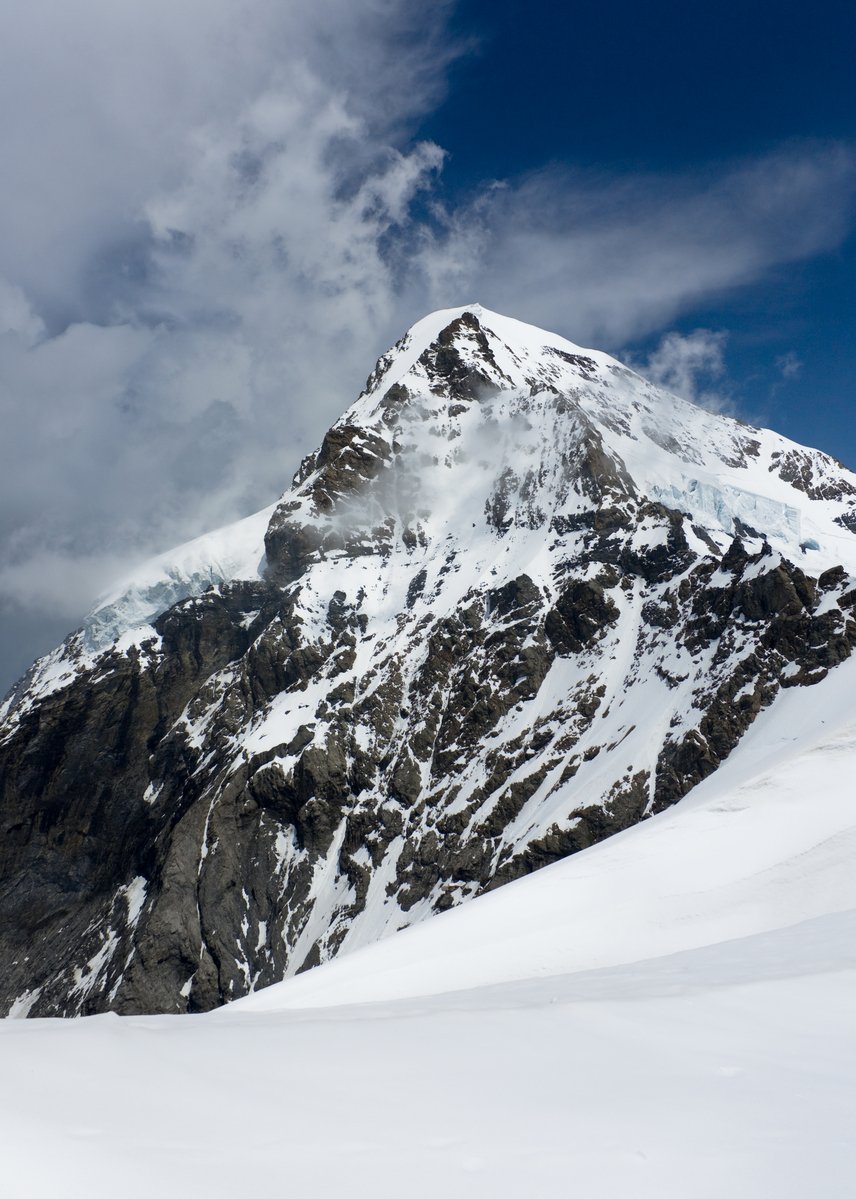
[(692, 366), (614, 259), (788, 365)]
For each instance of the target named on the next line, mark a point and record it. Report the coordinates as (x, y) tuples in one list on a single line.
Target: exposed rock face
[(516, 602)]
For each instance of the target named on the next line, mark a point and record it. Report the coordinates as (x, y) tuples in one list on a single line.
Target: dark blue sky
[(629, 88)]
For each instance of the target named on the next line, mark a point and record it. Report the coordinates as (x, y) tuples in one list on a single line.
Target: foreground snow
[(726, 1071), (671, 1013)]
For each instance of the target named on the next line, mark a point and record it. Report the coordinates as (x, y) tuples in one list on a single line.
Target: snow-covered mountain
[(519, 600)]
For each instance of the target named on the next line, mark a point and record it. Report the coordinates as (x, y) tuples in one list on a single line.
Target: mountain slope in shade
[(668, 1013), (519, 600)]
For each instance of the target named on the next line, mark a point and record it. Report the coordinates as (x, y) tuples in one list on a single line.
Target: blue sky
[(217, 213), (625, 89), (641, 86)]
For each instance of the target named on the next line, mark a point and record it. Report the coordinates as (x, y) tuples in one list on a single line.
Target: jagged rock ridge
[(518, 600)]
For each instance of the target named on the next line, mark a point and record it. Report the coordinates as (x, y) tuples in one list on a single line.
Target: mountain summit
[(519, 599)]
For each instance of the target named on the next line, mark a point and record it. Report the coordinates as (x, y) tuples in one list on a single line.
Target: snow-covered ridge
[(518, 350), (723, 473), (122, 617), (235, 551)]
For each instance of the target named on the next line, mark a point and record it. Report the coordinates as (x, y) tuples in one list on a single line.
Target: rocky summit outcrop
[(517, 601)]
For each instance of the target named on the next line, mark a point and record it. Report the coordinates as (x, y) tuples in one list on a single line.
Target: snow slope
[(698, 1037)]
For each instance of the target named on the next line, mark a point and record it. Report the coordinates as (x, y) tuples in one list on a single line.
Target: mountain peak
[(518, 599), (523, 427), (507, 352)]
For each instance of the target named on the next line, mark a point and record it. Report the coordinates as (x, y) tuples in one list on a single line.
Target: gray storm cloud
[(218, 216)]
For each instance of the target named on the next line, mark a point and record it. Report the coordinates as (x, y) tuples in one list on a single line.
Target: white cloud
[(102, 97), (688, 365), (59, 584), (17, 316)]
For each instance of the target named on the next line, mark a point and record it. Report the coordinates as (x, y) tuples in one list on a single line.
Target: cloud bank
[(220, 215)]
